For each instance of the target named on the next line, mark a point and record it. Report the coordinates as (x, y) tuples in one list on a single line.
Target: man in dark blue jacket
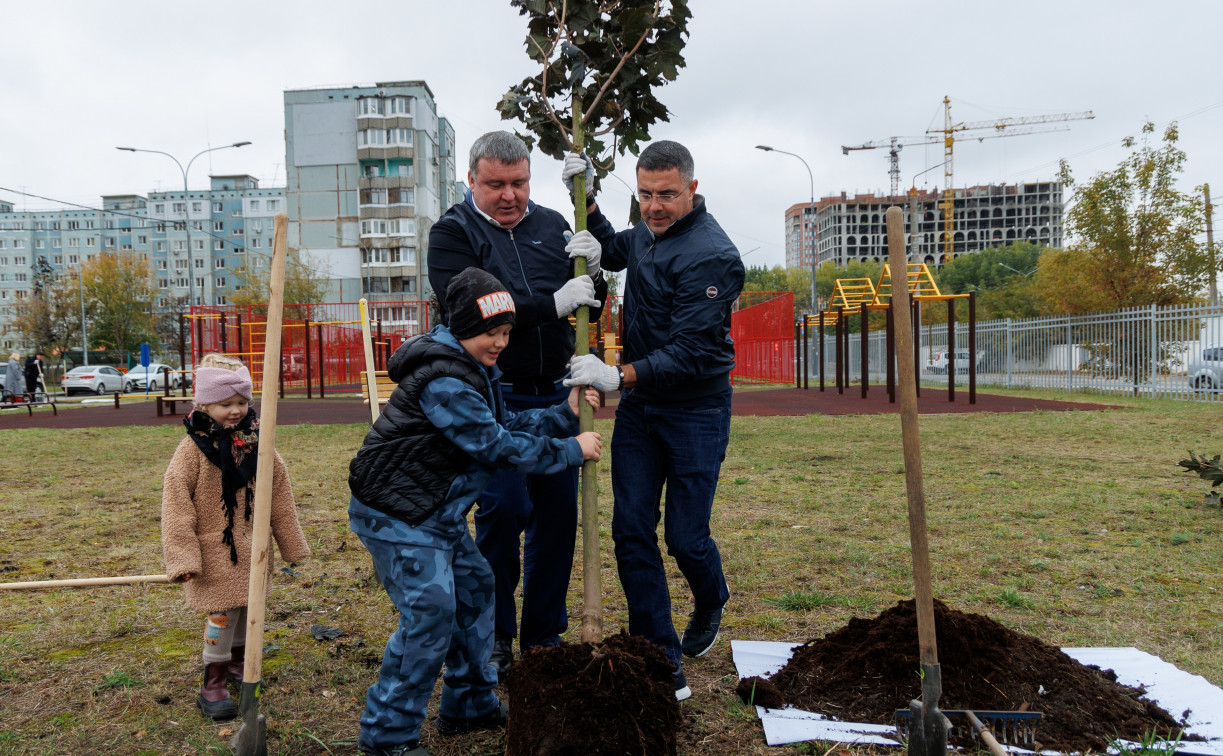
[(673, 421), (498, 229)]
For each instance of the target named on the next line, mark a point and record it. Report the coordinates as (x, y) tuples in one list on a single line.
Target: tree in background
[(1006, 280), (777, 278), (1135, 235), (51, 318), (119, 298), (305, 284)]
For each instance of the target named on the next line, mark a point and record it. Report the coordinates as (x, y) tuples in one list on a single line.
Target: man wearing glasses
[(673, 420)]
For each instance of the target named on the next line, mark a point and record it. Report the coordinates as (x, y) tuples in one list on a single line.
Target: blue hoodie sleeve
[(466, 420), (557, 421)]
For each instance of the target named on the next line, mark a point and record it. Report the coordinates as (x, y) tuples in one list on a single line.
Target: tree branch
[(590, 110)]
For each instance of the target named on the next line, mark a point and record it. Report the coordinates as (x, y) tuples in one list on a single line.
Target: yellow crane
[(1001, 127)]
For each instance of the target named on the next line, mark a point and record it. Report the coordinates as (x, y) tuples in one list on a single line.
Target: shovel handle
[(906, 389), (261, 526)]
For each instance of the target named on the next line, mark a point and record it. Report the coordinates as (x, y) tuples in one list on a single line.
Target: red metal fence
[(322, 349)]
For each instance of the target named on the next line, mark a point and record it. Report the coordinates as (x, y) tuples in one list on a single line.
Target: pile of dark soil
[(868, 669), (615, 697)]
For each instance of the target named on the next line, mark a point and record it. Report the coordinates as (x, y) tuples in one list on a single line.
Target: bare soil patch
[(614, 697), (867, 670)]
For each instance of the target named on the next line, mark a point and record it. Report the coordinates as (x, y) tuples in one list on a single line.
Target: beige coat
[(193, 522)]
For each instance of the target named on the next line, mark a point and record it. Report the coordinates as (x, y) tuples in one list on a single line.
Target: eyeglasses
[(665, 198)]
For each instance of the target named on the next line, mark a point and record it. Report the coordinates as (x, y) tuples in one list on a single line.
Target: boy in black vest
[(439, 439)]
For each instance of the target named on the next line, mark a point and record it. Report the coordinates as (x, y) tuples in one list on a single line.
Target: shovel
[(251, 739), (929, 735)]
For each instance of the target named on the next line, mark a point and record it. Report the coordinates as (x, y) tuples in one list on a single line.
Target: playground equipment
[(859, 296)]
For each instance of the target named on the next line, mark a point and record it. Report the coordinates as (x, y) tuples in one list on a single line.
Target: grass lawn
[(1076, 527)]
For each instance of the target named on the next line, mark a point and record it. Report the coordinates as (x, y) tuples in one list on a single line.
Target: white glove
[(584, 244), (575, 293), (575, 164), (589, 370)]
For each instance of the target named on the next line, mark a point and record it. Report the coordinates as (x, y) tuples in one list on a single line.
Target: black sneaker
[(412, 748), (682, 691), (503, 654), (491, 721), (701, 632)]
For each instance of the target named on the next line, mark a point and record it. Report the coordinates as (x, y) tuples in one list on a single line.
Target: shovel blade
[(927, 725), (251, 739)]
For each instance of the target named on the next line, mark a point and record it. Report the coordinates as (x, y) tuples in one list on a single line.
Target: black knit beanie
[(477, 302)]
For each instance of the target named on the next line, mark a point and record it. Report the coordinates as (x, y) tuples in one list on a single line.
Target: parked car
[(160, 373), (938, 363), (1206, 369), (96, 379)]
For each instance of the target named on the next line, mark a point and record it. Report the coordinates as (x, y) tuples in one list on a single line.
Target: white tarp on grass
[(1175, 690)]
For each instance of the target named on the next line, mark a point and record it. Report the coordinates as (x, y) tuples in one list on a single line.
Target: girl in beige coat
[(206, 510)]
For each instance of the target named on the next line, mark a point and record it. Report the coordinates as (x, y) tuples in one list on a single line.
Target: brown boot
[(237, 665), (214, 700)]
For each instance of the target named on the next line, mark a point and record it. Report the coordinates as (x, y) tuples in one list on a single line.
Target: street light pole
[(802, 226), (187, 207), (80, 273)]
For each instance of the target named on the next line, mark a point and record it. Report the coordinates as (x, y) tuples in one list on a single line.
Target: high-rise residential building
[(224, 226), (370, 169), (852, 228)]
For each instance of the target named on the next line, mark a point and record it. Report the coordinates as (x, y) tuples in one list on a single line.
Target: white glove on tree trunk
[(584, 244), (589, 370), (575, 293)]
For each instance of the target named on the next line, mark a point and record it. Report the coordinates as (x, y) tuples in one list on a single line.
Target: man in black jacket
[(33, 373), (673, 420), (498, 229)]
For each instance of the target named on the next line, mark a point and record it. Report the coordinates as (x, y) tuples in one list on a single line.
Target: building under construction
[(841, 228)]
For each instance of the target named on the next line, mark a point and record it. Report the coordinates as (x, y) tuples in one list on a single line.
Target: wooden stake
[(85, 582)]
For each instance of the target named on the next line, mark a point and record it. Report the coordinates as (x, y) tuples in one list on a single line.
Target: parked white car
[(156, 375), (1206, 369), (938, 363), (95, 379)]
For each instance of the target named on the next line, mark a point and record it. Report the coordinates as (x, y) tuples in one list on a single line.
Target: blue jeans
[(444, 597), (545, 509), (683, 448)]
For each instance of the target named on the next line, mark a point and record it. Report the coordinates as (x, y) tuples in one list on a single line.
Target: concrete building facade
[(852, 228), (370, 169), (225, 226)]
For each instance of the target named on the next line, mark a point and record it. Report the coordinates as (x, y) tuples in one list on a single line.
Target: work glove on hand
[(575, 293), (589, 370), (575, 164), (584, 244)]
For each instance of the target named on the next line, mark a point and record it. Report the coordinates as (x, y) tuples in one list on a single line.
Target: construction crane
[(894, 145), (1001, 127)]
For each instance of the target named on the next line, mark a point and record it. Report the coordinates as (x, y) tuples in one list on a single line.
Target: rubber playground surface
[(748, 402)]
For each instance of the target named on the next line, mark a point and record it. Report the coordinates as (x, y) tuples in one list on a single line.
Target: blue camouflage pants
[(445, 601)]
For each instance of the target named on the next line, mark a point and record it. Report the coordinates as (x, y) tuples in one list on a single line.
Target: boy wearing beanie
[(206, 509), (439, 439)]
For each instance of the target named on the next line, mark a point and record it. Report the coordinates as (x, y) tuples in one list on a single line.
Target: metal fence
[(322, 349), (1173, 352)]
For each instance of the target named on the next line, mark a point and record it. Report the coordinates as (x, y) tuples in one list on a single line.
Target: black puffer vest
[(405, 466)]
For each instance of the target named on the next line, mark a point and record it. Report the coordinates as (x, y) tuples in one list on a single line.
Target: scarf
[(233, 451)]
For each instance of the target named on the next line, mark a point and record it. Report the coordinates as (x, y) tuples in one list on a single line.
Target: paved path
[(747, 402)]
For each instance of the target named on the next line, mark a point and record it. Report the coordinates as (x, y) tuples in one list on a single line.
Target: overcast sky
[(82, 77)]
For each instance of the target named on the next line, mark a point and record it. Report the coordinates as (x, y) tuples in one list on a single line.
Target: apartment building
[(370, 169), (852, 228), (222, 227)]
